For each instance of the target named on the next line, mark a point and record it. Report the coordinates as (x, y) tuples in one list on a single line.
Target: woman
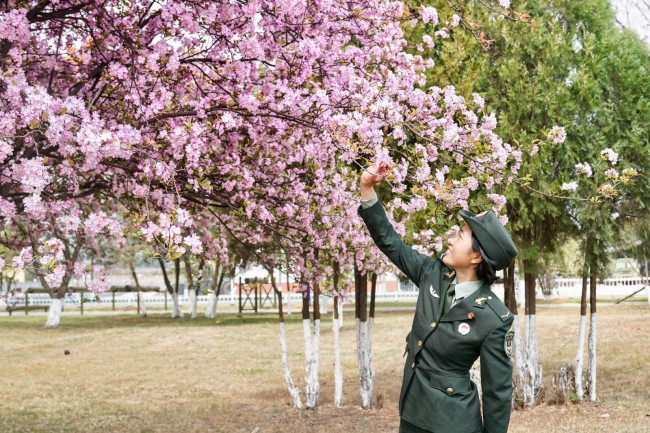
[(457, 320)]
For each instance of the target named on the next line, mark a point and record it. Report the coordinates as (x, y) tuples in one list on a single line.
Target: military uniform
[(437, 394)]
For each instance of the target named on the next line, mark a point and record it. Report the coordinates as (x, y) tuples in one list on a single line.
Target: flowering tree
[(257, 112)]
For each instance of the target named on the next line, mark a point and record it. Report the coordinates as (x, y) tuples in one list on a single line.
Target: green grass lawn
[(153, 374)]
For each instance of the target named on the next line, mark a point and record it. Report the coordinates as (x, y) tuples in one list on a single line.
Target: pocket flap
[(450, 384)]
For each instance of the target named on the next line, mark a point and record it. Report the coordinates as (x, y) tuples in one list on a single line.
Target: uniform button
[(450, 390), (413, 365), (419, 343), (433, 325)]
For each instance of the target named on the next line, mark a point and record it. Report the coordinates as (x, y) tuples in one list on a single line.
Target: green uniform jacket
[(437, 394)]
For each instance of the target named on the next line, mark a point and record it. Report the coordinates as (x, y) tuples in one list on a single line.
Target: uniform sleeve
[(496, 380), (409, 261)]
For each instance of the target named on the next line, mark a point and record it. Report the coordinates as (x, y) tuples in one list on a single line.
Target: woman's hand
[(371, 176)]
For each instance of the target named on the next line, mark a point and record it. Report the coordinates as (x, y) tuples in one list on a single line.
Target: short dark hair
[(486, 270)]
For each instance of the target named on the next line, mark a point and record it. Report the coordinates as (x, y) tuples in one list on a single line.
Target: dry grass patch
[(154, 374)]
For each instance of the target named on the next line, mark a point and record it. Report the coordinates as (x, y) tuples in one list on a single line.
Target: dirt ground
[(154, 374)]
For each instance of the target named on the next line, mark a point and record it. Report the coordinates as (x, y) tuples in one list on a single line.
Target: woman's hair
[(486, 270)]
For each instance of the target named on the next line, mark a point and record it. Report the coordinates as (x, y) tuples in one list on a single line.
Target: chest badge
[(433, 292), (480, 301), (463, 329)]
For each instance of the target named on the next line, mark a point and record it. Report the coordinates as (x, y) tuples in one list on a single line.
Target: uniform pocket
[(450, 384)]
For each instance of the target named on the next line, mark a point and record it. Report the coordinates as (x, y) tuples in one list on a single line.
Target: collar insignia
[(450, 274), (480, 301)]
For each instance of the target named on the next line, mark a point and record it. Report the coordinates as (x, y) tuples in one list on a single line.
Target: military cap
[(493, 237)]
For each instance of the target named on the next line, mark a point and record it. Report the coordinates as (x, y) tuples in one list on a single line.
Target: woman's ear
[(476, 259)]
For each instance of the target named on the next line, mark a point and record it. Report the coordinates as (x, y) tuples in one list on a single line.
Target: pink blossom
[(100, 285), (609, 154), (570, 186), (5, 150), (504, 3), (584, 168), (611, 173), (7, 209), (478, 100), (557, 134), (455, 20), (499, 200), (79, 270), (429, 14), (195, 244), (55, 278)]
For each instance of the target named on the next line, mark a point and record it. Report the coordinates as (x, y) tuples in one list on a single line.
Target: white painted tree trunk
[(518, 359), (580, 357), (193, 304), (54, 313), (312, 359), (141, 304), (519, 297), (211, 310), (592, 357), (340, 314), (338, 371), (177, 313), (364, 351), (532, 369), (475, 376), (294, 392)]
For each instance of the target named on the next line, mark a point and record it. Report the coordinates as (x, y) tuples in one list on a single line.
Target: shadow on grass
[(156, 320)]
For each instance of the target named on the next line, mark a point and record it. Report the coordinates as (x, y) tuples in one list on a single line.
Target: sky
[(634, 14)]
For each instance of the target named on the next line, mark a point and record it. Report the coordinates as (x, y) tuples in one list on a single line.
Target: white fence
[(565, 288)]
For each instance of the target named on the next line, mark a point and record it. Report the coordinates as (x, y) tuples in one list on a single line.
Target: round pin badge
[(463, 329)]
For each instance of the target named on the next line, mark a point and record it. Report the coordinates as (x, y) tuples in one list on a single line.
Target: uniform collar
[(467, 288)]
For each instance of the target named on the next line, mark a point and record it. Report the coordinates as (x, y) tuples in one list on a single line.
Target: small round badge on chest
[(463, 329)]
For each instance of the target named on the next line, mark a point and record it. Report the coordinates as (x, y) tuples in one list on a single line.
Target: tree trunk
[(532, 369), (173, 290), (581, 339), (364, 331), (592, 337), (338, 371), (192, 291), (517, 355), (312, 363), (54, 313), (215, 291), (294, 392)]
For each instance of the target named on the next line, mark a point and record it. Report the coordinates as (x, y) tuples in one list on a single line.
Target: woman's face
[(460, 254)]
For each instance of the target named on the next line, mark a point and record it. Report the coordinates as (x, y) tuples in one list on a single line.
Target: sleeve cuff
[(365, 204)]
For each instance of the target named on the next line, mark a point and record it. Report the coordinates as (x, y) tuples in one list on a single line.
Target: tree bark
[(142, 308), (581, 339), (215, 291), (517, 355), (532, 369), (173, 290), (294, 392), (338, 371), (54, 313), (592, 336), (312, 388), (364, 331)]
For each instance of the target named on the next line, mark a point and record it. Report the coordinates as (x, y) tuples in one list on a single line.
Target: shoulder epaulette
[(499, 307)]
